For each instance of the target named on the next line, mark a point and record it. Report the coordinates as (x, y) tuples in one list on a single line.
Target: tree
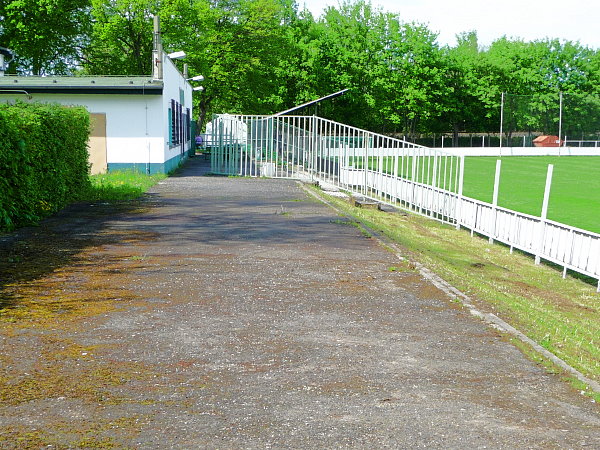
[(264, 56), (47, 36), (569, 68), (296, 73), (393, 70), (532, 74), (462, 109), (417, 87), (349, 50), (121, 39), (235, 44)]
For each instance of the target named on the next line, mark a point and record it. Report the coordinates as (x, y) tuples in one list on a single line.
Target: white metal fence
[(424, 180)]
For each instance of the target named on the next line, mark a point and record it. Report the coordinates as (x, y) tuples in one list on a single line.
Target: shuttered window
[(179, 124), (170, 135)]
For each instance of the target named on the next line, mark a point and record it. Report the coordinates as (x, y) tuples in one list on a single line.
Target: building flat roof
[(136, 85)]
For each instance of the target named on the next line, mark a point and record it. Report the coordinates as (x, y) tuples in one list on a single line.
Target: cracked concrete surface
[(248, 315)]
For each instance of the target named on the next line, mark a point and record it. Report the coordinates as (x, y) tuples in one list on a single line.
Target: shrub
[(43, 160)]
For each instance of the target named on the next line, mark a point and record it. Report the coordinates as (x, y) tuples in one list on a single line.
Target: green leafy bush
[(43, 160)]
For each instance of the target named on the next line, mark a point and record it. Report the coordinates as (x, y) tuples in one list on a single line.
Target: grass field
[(574, 196)]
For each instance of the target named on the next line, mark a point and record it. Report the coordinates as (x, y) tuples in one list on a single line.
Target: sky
[(573, 20)]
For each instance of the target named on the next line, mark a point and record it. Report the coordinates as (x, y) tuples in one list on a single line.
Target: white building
[(138, 122)]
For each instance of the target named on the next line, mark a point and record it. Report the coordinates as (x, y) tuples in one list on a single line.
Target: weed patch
[(118, 186)]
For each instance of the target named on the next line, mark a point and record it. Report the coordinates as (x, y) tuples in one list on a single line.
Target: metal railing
[(581, 143), (570, 247), (424, 180), (312, 148)]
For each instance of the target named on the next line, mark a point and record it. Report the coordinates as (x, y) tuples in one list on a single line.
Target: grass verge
[(119, 186), (561, 315)]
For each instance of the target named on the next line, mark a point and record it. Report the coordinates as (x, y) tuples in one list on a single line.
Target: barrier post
[(395, 174), (544, 213), (414, 178), (380, 169), (461, 177), (495, 201)]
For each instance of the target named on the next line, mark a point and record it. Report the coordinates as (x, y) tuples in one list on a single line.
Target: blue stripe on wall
[(150, 168)]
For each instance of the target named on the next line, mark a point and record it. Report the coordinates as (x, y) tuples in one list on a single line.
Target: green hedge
[(43, 160)]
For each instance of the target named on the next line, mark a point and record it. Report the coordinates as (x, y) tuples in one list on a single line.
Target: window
[(179, 124)]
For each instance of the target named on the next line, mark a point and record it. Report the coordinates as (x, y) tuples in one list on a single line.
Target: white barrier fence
[(572, 248), (426, 181), (418, 197), (523, 151)]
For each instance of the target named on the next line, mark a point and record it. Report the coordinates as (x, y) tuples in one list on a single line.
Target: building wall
[(134, 127), (177, 92), (138, 126)]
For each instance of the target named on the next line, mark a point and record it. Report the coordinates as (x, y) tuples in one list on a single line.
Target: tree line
[(264, 56)]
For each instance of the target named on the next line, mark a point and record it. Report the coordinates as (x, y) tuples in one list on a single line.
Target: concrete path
[(241, 313)]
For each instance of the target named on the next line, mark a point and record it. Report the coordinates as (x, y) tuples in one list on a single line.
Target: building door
[(97, 143)]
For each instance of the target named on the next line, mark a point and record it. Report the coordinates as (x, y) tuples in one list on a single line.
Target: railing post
[(313, 156), (495, 201), (459, 198), (221, 146), (434, 203), (544, 213), (413, 176), (365, 162), (380, 170), (395, 174), (422, 187)]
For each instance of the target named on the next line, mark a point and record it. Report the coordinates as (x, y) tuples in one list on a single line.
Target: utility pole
[(501, 120), (560, 106)]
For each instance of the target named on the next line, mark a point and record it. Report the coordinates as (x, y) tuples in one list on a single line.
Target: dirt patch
[(560, 302)]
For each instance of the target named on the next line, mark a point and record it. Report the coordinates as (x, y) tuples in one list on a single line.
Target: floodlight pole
[(501, 120), (560, 106)]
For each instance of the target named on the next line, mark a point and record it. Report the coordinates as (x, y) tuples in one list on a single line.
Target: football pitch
[(574, 195)]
